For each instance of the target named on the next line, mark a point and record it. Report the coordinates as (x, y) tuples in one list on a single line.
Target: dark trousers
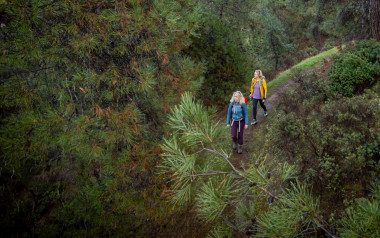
[(236, 135), (255, 106)]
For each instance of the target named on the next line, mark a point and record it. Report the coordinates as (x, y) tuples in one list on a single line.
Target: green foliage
[(213, 199), (334, 142), (220, 231), (85, 88), (362, 219), (296, 216), (352, 20), (368, 50), (199, 165), (295, 70), (193, 127), (356, 69), (311, 51), (217, 47), (270, 39)]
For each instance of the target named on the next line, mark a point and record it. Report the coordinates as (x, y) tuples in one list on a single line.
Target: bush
[(368, 50), (350, 73), (311, 51), (329, 44), (357, 69), (224, 61), (334, 142)]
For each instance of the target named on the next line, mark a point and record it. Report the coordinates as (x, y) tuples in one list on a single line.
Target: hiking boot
[(253, 122), (265, 113), (234, 145), (240, 149)]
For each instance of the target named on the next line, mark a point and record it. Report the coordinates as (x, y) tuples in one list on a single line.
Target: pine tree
[(362, 219), (272, 33), (84, 88), (199, 164)]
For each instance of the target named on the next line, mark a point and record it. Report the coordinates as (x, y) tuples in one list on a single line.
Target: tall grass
[(303, 65)]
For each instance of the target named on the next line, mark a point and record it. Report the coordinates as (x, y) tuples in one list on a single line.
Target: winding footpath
[(278, 85)]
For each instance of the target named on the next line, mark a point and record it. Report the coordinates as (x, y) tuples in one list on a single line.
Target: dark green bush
[(334, 142), (84, 91), (311, 51), (356, 69), (368, 50), (218, 49)]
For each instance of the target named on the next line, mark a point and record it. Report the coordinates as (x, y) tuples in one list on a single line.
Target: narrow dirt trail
[(271, 104), (249, 134)]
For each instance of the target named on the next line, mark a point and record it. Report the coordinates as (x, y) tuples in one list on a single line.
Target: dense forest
[(111, 126)]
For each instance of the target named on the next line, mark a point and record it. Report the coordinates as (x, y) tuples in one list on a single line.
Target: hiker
[(237, 115), (258, 94)]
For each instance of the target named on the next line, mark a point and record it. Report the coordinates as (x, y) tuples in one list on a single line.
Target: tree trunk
[(374, 19), (273, 46), (319, 20), (222, 9)]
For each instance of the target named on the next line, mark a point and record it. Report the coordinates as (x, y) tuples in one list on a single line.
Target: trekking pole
[(269, 105)]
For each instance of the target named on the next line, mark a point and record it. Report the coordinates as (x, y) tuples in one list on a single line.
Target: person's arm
[(229, 114), (245, 109), (265, 88), (251, 88)]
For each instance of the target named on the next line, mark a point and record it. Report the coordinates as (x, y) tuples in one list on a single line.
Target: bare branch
[(193, 153), (224, 157), (255, 196)]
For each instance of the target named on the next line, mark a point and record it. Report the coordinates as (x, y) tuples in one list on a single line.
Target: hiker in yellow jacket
[(258, 93)]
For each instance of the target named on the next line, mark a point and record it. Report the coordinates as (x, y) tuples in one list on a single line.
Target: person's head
[(258, 74), (237, 97)]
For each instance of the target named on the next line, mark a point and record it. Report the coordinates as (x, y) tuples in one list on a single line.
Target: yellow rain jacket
[(263, 87)]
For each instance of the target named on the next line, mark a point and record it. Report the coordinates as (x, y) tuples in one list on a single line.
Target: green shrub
[(349, 73), (334, 142), (224, 61), (368, 50), (311, 51), (329, 44), (356, 69)]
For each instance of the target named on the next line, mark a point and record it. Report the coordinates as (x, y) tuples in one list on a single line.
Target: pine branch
[(201, 128), (255, 196), (325, 230), (213, 150), (238, 173), (192, 119), (224, 157), (211, 173), (231, 224), (186, 156)]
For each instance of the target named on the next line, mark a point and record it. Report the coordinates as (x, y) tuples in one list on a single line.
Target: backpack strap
[(262, 79), (233, 106)]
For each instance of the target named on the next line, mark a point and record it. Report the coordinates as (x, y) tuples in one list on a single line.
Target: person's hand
[(228, 125), (263, 100), (246, 126)]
